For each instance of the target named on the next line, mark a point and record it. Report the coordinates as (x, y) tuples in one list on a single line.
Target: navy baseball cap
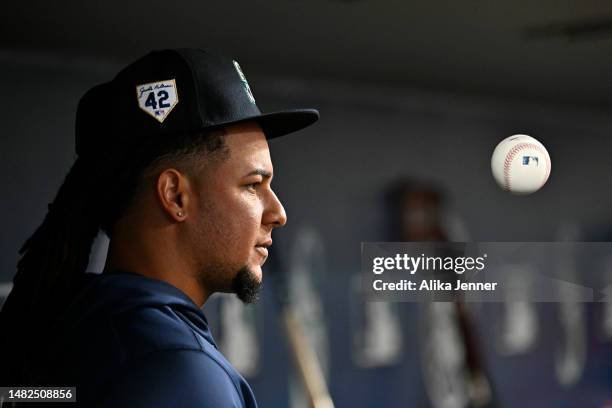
[(170, 92)]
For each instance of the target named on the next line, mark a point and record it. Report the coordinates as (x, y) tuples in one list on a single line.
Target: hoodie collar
[(118, 291)]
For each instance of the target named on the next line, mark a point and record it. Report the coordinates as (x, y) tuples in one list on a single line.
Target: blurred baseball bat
[(304, 357), (307, 363)]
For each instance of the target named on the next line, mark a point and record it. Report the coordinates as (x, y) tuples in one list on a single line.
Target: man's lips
[(262, 248)]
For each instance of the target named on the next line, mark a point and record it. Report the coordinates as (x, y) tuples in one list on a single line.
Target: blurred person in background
[(452, 364)]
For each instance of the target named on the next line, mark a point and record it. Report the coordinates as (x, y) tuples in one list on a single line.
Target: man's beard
[(246, 285)]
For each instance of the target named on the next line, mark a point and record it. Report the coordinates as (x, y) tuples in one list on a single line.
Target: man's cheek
[(249, 216)]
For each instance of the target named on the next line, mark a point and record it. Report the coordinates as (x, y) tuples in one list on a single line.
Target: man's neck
[(154, 256)]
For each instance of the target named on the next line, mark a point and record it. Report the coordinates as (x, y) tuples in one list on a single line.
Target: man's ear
[(174, 192)]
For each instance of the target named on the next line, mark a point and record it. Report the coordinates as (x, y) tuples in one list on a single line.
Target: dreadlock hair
[(55, 257)]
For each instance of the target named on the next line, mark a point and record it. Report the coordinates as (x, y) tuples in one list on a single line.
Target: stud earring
[(180, 213)]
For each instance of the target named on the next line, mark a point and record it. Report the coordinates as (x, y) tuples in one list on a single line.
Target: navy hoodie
[(131, 341)]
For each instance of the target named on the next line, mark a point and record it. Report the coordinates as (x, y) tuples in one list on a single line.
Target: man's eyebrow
[(260, 172)]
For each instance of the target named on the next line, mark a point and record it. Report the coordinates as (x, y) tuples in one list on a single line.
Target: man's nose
[(275, 213)]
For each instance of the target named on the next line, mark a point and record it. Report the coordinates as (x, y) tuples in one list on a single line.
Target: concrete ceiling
[(473, 46)]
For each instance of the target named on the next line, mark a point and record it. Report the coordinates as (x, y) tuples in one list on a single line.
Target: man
[(173, 164)]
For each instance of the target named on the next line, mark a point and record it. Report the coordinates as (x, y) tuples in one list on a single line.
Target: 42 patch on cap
[(157, 98)]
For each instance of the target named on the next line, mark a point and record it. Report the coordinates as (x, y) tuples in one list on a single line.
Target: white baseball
[(520, 164)]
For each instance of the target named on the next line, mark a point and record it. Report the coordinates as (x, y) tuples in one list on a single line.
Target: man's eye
[(252, 186)]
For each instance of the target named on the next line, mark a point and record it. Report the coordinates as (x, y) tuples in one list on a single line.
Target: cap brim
[(276, 124)]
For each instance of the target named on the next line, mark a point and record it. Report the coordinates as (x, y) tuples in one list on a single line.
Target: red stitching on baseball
[(513, 152)]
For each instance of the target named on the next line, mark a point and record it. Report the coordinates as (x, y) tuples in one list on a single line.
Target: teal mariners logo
[(157, 98), (244, 82)]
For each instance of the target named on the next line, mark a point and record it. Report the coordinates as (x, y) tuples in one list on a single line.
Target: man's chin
[(257, 273), (247, 283)]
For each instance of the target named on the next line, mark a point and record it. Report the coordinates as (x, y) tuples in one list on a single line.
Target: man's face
[(236, 211)]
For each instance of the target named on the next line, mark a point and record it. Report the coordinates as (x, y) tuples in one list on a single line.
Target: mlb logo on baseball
[(157, 98)]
